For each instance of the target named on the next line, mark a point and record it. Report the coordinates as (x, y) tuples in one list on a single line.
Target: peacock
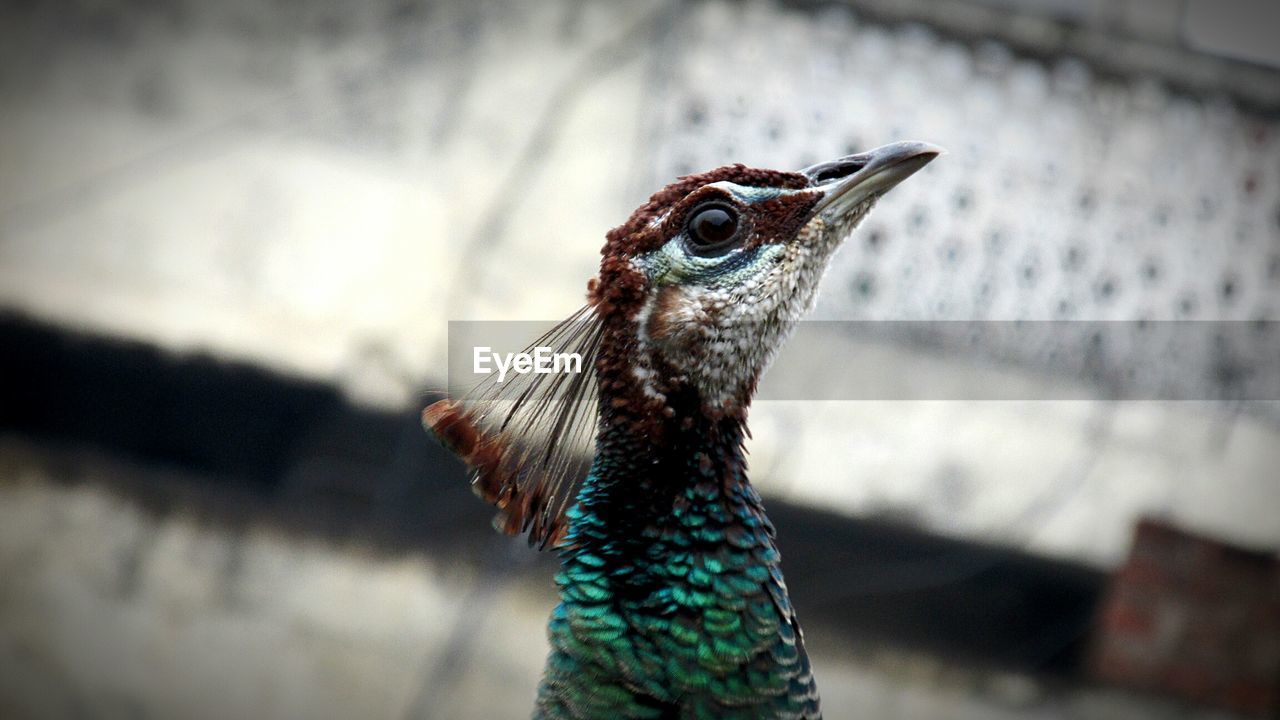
[(672, 599)]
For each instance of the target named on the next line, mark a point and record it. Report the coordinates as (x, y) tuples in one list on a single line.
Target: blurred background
[(232, 236)]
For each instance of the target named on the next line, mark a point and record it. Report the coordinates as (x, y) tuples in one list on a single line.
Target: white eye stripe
[(748, 193)]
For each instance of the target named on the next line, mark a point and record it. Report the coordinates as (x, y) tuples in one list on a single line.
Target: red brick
[(1194, 618), (1249, 697), (1125, 619), (1191, 681)]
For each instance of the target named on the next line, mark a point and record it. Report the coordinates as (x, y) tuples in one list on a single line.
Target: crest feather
[(528, 440)]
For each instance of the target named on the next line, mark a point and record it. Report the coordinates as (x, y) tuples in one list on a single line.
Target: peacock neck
[(641, 493), (672, 598)]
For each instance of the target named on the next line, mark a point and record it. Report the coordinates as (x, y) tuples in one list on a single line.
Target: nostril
[(836, 169)]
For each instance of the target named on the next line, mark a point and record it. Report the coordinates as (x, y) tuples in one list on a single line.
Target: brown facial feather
[(620, 290), (779, 219)]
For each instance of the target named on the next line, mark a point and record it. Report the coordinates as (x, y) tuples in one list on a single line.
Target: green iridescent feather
[(672, 601)]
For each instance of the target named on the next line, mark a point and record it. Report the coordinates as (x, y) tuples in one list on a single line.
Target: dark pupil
[(713, 225)]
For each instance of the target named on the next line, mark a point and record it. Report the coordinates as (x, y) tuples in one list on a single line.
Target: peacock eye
[(712, 228)]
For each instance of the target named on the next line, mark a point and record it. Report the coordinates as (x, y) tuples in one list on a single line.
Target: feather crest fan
[(528, 440)]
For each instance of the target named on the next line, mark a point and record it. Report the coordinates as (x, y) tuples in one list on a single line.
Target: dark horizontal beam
[(297, 453)]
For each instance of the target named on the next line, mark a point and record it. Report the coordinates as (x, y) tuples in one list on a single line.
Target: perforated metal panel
[(1065, 195)]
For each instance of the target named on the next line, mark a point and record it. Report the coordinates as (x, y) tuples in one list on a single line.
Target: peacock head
[(696, 292), (700, 287)]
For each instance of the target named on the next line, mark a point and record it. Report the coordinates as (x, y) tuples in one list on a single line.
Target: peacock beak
[(852, 180)]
